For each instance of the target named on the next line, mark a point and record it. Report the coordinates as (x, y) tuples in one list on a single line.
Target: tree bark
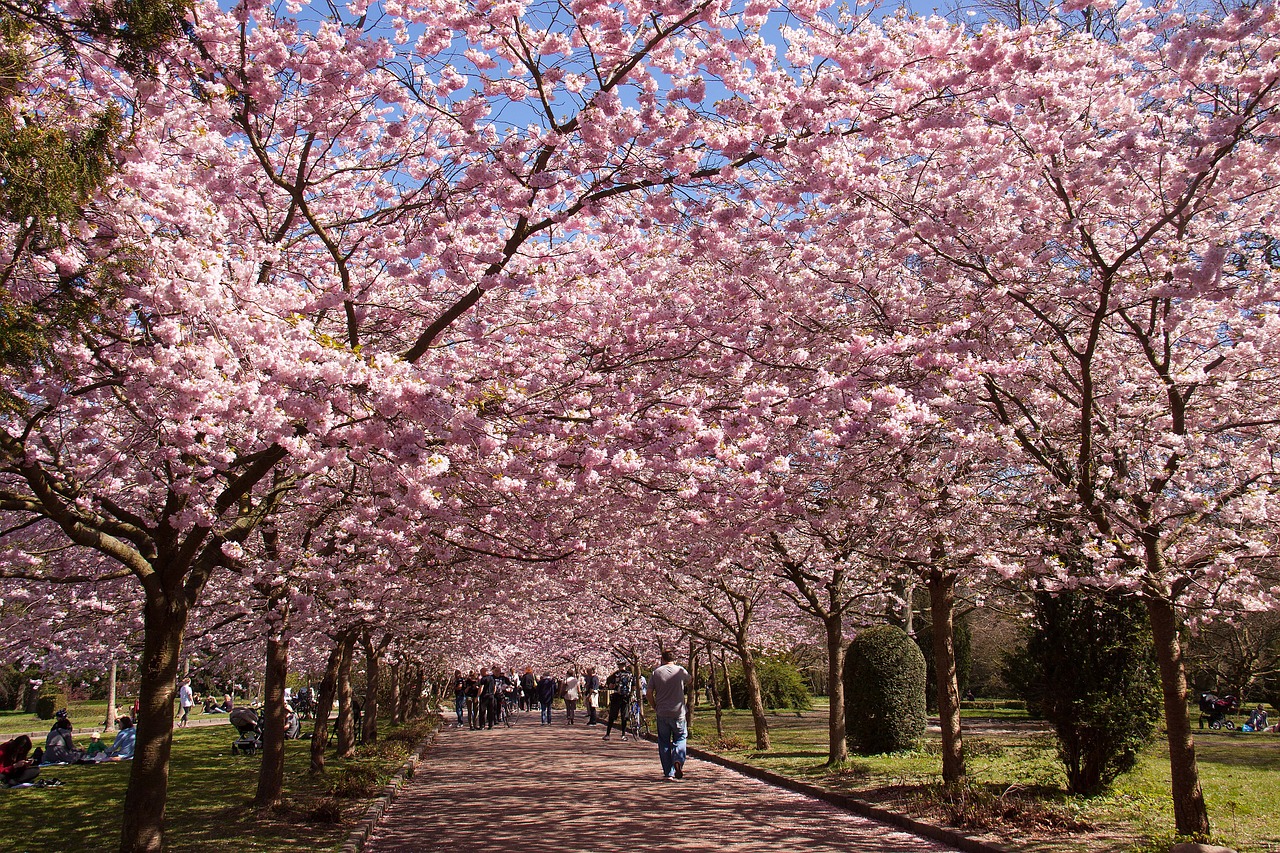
[(373, 683), (271, 772), (109, 723), (345, 730), (942, 600), (728, 688), (837, 742), (395, 716), (754, 698), (324, 705), (417, 706), (715, 692), (1190, 815), (164, 620), (691, 698)]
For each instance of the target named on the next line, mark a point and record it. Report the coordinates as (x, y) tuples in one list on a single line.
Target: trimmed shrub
[(1089, 668), (781, 684), (48, 704), (884, 679)]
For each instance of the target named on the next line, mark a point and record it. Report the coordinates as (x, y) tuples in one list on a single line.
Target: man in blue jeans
[(666, 693)]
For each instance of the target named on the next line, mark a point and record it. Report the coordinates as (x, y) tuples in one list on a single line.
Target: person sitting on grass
[(16, 768), (1257, 720), (59, 748), (122, 747), (97, 749)]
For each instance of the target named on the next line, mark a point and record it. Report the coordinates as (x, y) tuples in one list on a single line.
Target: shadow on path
[(552, 789)]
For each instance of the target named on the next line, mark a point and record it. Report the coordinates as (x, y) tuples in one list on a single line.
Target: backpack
[(624, 685)]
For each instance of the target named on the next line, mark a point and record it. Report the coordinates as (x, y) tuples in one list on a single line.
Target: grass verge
[(1016, 790), (209, 794)]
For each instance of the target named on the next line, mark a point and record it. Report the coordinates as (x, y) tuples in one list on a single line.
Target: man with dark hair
[(488, 690), (667, 687)]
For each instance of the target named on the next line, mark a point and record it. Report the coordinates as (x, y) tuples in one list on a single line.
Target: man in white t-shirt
[(185, 701), (667, 687)]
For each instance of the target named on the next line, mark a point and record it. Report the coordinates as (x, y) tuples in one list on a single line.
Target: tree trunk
[(373, 683), (164, 620), (406, 692), (271, 773), (109, 723), (754, 698), (728, 688), (396, 717), (1189, 813), (417, 707), (324, 704), (715, 692), (942, 601), (691, 699), (837, 742), (345, 730)]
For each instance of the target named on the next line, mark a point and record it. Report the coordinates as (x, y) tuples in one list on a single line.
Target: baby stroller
[(249, 728), (1214, 710)]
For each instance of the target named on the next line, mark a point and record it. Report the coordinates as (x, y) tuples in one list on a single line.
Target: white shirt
[(184, 696), (571, 685)]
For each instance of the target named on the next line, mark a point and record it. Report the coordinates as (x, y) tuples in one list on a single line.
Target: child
[(97, 749)]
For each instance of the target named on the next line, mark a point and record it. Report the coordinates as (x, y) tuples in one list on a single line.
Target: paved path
[(559, 789)]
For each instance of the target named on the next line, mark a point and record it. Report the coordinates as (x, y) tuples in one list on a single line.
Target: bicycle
[(639, 723)]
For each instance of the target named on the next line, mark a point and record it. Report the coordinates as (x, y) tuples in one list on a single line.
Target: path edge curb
[(852, 804), (359, 836)]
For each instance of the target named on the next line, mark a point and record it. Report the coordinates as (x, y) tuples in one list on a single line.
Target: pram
[(1214, 710), (249, 728)]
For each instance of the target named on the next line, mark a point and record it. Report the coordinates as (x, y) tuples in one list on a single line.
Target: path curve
[(558, 788)]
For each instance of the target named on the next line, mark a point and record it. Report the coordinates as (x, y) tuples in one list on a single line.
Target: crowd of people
[(20, 764), (487, 697)]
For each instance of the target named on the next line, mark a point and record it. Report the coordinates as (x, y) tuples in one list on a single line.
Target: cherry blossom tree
[(1102, 209)]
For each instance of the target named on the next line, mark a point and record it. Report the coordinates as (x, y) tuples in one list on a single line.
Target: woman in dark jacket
[(58, 746)]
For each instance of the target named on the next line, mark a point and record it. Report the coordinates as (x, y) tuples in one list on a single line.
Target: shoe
[(668, 778), (679, 769), (624, 738), (606, 737)]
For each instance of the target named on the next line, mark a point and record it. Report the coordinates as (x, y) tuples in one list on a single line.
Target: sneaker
[(606, 737), (679, 769), (624, 738)]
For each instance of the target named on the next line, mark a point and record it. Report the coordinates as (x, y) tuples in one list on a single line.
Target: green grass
[(209, 794), (1017, 787), (84, 715)]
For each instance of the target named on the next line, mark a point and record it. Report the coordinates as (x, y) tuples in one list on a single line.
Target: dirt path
[(555, 789)]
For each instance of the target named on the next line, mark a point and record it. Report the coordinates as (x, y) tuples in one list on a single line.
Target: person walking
[(488, 691), (459, 694), (528, 689), (618, 685), (666, 690), (591, 687), (473, 701), (185, 701), (572, 692), (546, 695)]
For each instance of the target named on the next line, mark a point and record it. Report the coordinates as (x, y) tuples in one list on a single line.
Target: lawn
[(1017, 788), (209, 792), (84, 715)]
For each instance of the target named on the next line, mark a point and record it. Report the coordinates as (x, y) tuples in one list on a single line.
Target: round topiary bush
[(48, 704), (884, 681)]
